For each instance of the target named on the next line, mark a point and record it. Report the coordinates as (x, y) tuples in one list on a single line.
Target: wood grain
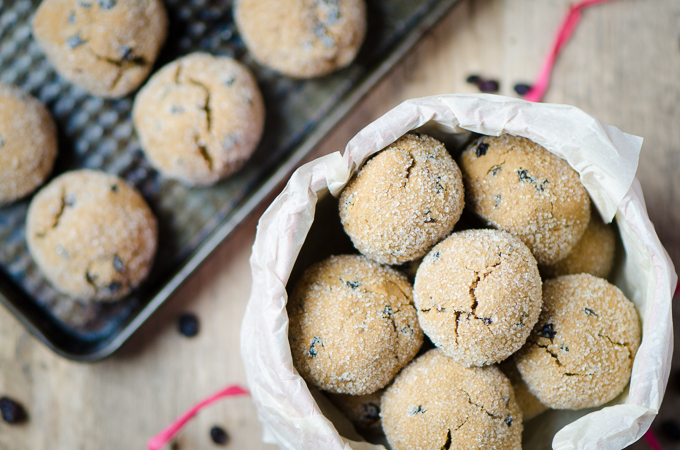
[(622, 66)]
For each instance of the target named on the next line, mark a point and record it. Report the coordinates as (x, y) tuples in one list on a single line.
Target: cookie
[(403, 200), (435, 403), (580, 353), (362, 410), (302, 38), (593, 253), (199, 118), (518, 186), (478, 295), (527, 402), (352, 325), (28, 143), (92, 235), (107, 47)]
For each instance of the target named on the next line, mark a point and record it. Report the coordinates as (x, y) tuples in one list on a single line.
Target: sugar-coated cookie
[(518, 186), (403, 200), (199, 118), (92, 235), (302, 38), (435, 403), (28, 143), (478, 295), (107, 47), (353, 324), (580, 353)]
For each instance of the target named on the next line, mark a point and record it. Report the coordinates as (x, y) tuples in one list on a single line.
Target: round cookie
[(362, 410), (92, 235), (403, 201), (478, 295), (28, 143), (520, 187), (593, 253), (435, 403), (352, 324), (580, 353), (107, 47), (302, 38), (199, 118), (527, 402)]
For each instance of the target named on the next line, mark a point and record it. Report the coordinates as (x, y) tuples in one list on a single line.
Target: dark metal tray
[(98, 133)]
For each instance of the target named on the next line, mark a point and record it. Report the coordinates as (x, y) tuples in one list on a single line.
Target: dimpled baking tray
[(98, 133)]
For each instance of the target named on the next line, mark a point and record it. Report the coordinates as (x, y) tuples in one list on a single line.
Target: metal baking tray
[(98, 133)]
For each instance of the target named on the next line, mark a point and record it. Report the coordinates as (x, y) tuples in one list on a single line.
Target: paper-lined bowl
[(606, 160)]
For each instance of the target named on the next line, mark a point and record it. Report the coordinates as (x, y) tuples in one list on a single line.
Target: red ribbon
[(651, 440), (162, 438), (565, 31)]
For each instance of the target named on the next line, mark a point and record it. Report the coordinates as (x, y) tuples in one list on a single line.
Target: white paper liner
[(606, 160)]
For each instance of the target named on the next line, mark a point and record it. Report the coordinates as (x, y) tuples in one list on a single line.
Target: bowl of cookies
[(483, 275)]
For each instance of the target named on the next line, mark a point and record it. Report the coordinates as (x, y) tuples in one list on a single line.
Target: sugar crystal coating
[(580, 353), (478, 295), (199, 118), (302, 38), (92, 235), (518, 186), (593, 253), (108, 47), (28, 143), (435, 403), (352, 324), (403, 200)]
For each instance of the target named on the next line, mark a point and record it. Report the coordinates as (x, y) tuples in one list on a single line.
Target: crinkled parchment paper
[(606, 160)]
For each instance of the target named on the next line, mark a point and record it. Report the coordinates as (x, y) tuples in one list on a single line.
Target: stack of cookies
[(518, 311)]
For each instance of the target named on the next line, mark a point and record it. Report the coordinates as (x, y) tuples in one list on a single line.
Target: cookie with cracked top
[(478, 295), (302, 38), (352, 325), (403, 201), (28, 143), (435, 403), (580, 353), (518, 186), (92, 235), (199, 118), (107, 47)]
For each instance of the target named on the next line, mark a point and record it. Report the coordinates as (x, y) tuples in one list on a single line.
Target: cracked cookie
[(403, 200), (435, 403), (352, 324), (362, 410), (527, 402), (593, 253), (580, 353), (518, 186), (107, 47), (302, 38), (199, 118), (478, 295), (92, 235), (28, 143)]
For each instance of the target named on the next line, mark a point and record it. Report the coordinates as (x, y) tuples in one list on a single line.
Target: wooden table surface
[(622, 66)]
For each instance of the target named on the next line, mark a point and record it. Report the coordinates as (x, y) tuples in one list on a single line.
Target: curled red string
[(565, 31), (162, 438)]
